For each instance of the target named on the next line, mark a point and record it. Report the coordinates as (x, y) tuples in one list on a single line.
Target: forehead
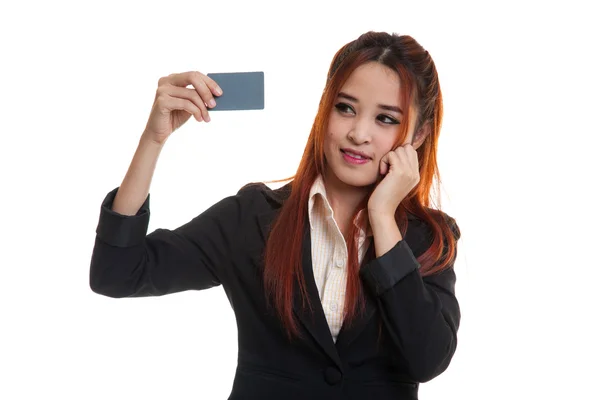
[(374, 82)]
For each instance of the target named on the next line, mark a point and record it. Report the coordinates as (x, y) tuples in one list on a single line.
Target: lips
[(356, 154)]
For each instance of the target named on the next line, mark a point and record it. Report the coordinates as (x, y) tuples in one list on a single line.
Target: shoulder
[(443, 218), (259, 191), (439, 217), (253, 188)]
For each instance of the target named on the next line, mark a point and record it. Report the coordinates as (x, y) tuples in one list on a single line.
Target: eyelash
[(341, 106)]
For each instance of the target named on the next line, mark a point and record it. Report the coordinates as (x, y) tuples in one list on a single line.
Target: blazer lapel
[(314, 322), (349, 332)]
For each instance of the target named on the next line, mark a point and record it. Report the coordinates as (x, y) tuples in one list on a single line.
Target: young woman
[(341, 281)]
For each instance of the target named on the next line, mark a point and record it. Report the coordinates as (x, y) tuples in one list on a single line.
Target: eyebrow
[(382, 106)]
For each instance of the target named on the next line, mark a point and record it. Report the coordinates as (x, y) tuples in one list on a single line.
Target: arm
[(135, 187), (128, 263), (125, 262), (421, 314)]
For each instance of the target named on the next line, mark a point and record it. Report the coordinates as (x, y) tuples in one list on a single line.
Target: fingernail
[(219, 91), (212, 103)]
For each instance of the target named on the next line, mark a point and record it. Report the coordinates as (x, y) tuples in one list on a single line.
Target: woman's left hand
[(401, 170)]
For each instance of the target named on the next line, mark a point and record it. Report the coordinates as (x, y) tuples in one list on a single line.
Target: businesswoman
[(341, 281)]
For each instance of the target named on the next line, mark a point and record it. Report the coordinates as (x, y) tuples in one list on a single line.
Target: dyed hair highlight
[(421, 90)]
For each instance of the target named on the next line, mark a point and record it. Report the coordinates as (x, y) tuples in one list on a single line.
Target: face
[(365, 118)]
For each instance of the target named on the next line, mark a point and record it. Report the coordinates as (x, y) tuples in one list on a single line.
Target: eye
[(391, 121), (343, 108)]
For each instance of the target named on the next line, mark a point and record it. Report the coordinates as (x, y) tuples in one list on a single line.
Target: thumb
[(384, 164)]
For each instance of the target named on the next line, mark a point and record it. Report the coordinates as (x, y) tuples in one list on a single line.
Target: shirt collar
[(318, 189)]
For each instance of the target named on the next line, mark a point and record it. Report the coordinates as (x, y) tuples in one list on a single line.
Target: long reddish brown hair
[(283, 252)]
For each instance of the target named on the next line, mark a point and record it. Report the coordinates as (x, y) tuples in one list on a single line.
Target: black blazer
[(406, 336)]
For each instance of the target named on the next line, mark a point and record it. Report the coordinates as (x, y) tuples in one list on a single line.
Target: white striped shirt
[(330, 256)]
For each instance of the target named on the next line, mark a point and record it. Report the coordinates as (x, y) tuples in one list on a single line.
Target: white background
[(518, 157)]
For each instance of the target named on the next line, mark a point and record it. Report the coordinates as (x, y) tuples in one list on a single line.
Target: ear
[(420, 136)]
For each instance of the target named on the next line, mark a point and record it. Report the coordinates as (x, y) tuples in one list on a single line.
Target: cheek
[(337, 127), (329, 144), (383, 147), (329, 139), (333, 136)]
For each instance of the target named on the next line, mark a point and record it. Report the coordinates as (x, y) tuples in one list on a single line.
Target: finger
[(406, 148), (387, 161), (383, 164), (395, 160), (185, 93), (411, 153), (176, 103), (183, 80), (213, 86), (210, 83), (408, 161), (199, 81), (407, 155)]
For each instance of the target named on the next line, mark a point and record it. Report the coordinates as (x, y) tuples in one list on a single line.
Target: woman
[(341, 281)]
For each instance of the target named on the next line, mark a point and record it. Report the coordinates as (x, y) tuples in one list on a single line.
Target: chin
[(355, 177)]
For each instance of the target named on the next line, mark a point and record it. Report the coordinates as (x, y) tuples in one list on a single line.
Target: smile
[(354, 158)]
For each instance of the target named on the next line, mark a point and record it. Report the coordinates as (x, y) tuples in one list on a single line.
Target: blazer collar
[(316, 323), (277, 197)]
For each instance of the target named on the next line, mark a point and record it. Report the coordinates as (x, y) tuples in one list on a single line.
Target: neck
[(343, 198)]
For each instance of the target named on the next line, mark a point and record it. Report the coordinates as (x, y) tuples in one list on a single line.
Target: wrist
[(146, 140), (379, 215), (382, 221)]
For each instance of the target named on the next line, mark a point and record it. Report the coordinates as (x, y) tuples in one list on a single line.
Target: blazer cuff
[(122, 230), (384, 272)]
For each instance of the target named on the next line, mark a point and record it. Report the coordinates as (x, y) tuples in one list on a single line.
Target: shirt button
[(333, 307), (339, 262)]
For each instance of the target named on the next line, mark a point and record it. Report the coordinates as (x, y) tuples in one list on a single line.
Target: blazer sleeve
[(421, 314), (126, 262)]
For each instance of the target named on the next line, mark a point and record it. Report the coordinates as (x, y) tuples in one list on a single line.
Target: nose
[(360, 132)]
